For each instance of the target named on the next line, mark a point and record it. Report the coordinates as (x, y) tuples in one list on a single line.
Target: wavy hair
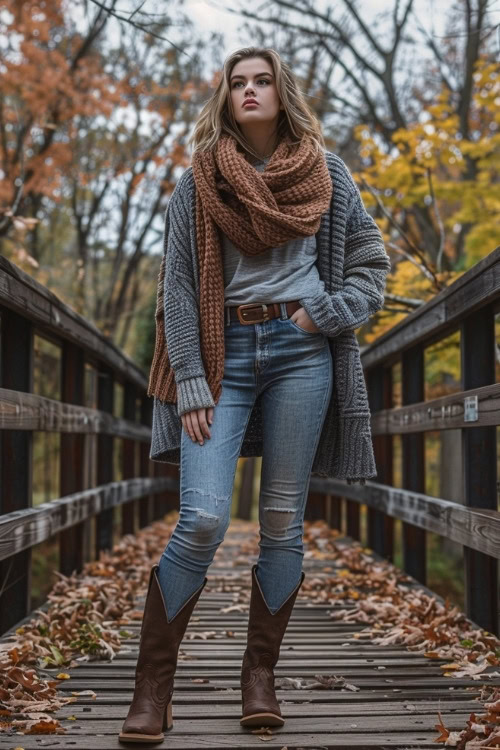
[(217, 116)]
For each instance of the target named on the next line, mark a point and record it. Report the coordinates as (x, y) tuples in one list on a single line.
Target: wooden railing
[(147, 490), (468, 306), (82, 519)]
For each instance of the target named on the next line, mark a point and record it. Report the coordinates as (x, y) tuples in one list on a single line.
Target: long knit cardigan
[(353, 264)]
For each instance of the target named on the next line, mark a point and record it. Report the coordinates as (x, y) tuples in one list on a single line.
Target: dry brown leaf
[(44, 726), (493, 705), (265, 733), (444, 733), (89, 693)]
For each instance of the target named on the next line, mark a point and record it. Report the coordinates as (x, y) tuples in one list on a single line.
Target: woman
[(270, 263)]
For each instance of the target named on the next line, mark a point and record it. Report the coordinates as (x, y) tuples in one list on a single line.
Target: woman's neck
[(262, 141)]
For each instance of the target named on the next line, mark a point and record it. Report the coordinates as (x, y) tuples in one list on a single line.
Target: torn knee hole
[(211, 497), (282, 510), (203, 513), (208, 519), (278, 520)]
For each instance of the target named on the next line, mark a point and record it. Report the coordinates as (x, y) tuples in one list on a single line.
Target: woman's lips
[(251, 103)]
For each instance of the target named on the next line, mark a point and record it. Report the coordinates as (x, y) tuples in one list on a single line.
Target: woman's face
[(253, 80)]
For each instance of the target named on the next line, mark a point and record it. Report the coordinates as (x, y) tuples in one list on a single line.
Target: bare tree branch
[(437, 284), (409, 301), (439, 255), (331, 29), (421, 267), (128, 19)]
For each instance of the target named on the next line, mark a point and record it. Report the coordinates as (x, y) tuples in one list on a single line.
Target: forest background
[(97, 101)]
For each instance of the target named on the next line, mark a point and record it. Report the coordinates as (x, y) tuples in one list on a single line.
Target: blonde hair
[(217, 116)]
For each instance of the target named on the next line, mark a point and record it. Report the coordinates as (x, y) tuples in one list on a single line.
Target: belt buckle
[(241, 314)]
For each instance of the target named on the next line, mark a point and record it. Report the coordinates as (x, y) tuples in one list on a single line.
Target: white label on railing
[(471, 409)]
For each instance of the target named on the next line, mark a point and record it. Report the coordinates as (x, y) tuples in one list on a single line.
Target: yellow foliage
[(426, 171)]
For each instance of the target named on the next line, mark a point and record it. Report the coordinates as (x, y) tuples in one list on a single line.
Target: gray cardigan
[(353, 264)]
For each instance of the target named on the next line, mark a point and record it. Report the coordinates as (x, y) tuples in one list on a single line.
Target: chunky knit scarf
[(257, 211)]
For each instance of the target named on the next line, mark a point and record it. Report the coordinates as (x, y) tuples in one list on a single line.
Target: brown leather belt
[(258, 312)]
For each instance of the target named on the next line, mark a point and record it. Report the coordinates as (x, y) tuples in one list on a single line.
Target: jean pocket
[(303, 330)]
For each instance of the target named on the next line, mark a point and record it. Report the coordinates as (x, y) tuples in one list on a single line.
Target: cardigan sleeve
[(366, 265), (182, 330)]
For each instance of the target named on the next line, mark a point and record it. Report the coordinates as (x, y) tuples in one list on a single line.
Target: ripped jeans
[(292, 370)]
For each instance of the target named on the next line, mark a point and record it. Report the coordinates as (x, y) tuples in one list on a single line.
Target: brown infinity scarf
[(257, 211)]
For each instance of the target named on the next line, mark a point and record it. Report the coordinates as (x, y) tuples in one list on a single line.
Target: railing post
[(160, 501), (17, 465), (352, 519), (104, 521), (333, 511), (146, 511), (414, 539), (380, 525), (128, 466), (171, 497), (316, 506), (480, 461), (71, 541), (246, 489)]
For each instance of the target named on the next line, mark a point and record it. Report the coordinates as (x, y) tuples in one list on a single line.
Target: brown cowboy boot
[(151, 709), (265, 633)]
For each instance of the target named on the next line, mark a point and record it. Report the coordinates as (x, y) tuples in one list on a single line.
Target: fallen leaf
[(264, 733), (89, 693), (444, 733), (44, 727)]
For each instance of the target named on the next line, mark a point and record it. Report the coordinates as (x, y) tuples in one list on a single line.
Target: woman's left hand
[(302, 319)]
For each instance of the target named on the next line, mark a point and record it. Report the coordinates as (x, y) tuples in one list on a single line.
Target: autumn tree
[(428, 168), (90, 165), (119, 196), (49, 75)]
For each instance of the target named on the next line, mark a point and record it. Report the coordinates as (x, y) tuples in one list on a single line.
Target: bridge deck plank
[(396, 706)]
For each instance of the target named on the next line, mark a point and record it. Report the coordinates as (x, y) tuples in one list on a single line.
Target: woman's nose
[(249, 89)]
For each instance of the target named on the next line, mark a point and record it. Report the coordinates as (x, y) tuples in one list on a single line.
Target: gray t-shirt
[(284, 273)]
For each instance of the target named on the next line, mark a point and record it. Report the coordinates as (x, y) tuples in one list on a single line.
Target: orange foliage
[(46, 83)]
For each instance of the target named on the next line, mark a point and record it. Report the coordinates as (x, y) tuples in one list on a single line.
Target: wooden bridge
[(378, 660)]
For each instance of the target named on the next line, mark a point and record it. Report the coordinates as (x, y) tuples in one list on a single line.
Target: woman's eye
[(261, 80)]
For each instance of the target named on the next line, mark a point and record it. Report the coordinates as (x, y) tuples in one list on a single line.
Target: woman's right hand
[(195, 423)]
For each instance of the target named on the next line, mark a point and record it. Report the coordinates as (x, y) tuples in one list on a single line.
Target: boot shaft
[(159, 636), (265, 629)]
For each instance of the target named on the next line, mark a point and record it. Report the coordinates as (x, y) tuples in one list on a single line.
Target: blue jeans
[(292, 369)]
